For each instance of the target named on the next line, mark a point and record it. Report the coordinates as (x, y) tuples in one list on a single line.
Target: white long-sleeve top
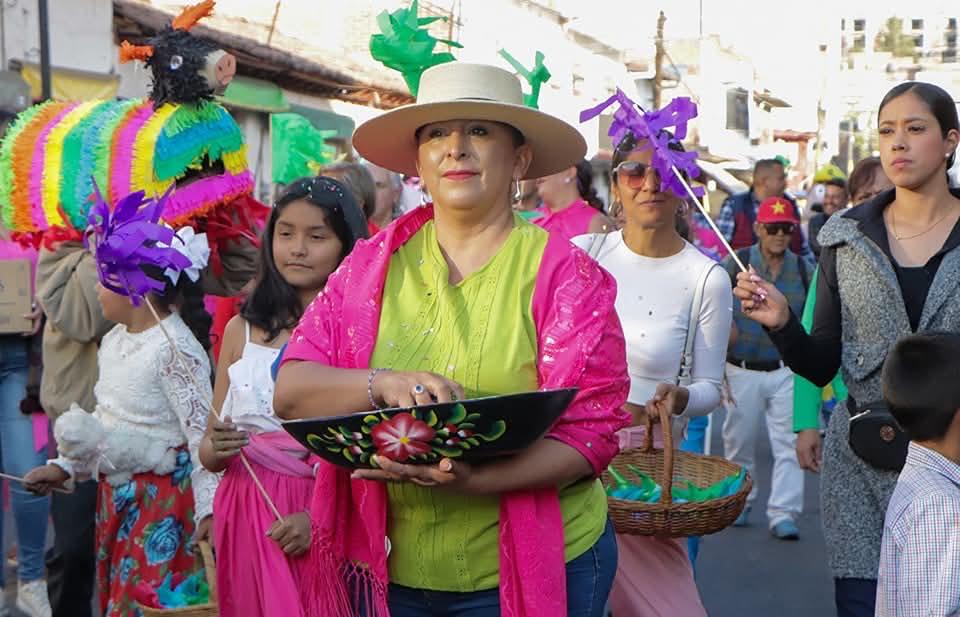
[(144, 394), (654, 300)]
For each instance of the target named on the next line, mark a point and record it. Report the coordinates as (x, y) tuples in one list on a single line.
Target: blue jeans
[(18, 456), (855, 597), (589, 579), (695, 442)]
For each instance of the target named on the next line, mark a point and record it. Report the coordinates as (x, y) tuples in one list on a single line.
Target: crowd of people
[(511, 275)]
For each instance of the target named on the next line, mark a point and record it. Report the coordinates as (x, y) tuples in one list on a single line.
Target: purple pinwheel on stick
[(652, 130), (128, 238)]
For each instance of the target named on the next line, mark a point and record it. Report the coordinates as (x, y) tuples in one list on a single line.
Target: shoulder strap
[(686, 361), (596, 245)]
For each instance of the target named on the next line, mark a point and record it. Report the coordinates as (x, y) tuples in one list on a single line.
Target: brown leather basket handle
[(209, 568), (666, 422)]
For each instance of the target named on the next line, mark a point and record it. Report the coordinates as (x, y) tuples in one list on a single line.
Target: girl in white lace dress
[(141, 441), (313, 226)]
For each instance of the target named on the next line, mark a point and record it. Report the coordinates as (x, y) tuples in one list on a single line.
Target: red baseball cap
[(777, 210)]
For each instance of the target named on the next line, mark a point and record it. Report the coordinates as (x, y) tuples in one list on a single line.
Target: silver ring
[(418, 389)]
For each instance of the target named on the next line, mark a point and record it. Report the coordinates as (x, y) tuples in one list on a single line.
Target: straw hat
[(461, 91)]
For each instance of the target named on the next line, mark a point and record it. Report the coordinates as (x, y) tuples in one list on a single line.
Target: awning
[(71, 84), (254, 95), (325, 120)]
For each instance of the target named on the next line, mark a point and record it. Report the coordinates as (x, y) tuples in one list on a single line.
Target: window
[(843, 24), (951, 39), (859, 42), (918, 41), (738, 113), (949, 56), (916, 24), (952, 23), (859, 25)]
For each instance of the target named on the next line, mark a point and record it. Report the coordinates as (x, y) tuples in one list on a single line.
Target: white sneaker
[(32, 599)]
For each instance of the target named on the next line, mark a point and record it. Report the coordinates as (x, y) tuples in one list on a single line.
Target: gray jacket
[(873, 313)]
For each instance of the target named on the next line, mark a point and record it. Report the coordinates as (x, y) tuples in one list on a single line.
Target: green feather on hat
[(406, 45), (536, 77)]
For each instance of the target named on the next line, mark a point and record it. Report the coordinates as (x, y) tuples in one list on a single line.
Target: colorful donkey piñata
[(54, 152)]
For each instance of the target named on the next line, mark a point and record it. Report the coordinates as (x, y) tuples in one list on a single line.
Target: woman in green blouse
[(463, 298)]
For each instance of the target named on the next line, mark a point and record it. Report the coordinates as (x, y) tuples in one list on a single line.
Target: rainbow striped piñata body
[(54, 152)]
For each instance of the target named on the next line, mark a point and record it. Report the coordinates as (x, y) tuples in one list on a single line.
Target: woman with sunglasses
[(657, 274), (890, 267), (571, 205)]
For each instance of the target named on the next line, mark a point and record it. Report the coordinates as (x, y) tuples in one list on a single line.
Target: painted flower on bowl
[(402, 436)]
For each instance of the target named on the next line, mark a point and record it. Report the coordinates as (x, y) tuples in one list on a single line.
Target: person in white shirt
[(152, 399), (658, 274)]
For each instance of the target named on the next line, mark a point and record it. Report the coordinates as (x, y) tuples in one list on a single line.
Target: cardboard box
[(15, 296)]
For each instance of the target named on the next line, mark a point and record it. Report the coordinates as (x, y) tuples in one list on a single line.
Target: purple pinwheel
[(130, 237), (652, 128)]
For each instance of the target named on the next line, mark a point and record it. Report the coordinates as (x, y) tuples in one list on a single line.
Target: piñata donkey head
[(54, 152), (185, 68)]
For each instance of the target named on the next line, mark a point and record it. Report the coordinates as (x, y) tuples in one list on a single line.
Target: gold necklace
[(893, 224)]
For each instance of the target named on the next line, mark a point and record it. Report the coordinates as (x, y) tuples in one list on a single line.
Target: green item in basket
[(724, 488), (683, 492), (648, 490)]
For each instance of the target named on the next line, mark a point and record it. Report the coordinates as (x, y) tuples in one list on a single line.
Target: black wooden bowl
[(468, 430)]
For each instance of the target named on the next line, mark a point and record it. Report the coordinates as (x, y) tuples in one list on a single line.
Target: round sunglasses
[(632, 173)]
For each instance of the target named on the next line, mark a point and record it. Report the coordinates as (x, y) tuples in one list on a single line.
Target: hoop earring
[(683, 208), (517, 195)]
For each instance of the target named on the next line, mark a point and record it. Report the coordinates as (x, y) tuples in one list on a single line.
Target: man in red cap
[(760, 384)]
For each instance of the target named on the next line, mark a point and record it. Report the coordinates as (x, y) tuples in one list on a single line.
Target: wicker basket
[(667, 519), (198, 610)]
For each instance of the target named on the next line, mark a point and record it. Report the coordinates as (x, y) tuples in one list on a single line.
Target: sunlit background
[(801, 80)]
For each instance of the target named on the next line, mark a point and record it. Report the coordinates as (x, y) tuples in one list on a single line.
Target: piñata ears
[(187, 19), (192, 14), (130, 52)]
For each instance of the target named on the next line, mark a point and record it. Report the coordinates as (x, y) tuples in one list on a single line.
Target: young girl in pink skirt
[(312, 227)]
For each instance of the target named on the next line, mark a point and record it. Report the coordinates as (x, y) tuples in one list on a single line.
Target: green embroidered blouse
[(481, 334)]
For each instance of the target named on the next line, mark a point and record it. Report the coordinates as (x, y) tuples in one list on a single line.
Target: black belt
[(766, 366)]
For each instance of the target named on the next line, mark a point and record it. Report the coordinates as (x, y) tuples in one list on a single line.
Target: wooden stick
[(7, 476), (209, 405), (707, 216)]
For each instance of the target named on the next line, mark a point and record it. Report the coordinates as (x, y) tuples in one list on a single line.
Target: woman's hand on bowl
[(761, 301), (409, 389), (447, 473)]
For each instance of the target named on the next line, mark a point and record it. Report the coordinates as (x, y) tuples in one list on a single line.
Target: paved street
[(744, 572)]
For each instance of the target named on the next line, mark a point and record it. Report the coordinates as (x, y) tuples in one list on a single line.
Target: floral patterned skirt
[(143, 532)]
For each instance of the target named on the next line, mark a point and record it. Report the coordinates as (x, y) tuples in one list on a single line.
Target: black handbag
[(876, 437)]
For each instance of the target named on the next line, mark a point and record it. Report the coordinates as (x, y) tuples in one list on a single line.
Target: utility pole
[(43, 15), (273, 22), (658, 64)]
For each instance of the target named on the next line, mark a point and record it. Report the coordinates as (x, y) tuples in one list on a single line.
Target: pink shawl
[(580, 344), (572, 221)]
